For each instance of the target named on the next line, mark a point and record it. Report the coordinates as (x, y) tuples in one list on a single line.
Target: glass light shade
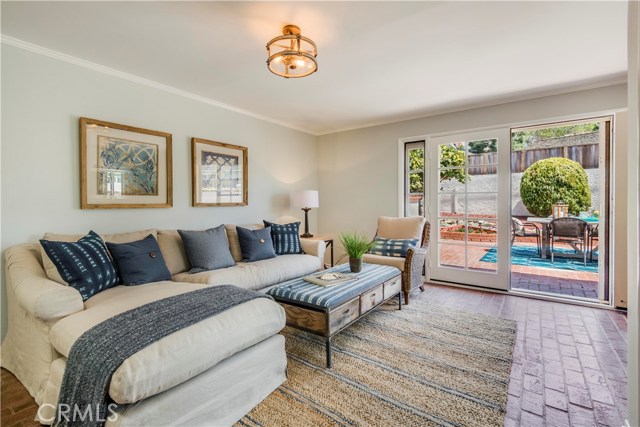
[(305, 199), (292, 55)]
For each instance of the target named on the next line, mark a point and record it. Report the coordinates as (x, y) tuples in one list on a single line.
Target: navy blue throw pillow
[(208, 249), (85, 265), (139, 262), (256, 244), (286, 237)]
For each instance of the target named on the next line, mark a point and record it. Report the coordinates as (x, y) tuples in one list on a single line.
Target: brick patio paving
[(556, 281)]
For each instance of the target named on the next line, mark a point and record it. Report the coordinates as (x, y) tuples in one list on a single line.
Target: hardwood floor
[(17, 406), (569, 362)]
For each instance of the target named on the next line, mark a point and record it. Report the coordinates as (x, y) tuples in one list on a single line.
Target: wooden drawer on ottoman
[(306, 319), (341, 316), (392, 287), (370, 299)]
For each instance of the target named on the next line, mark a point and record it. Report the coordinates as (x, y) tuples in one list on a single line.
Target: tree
[(452, 156), (483, 146), (552, 180), (416, 163)]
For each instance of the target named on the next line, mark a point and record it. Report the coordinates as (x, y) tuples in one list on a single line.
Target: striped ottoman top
[(300, 291)]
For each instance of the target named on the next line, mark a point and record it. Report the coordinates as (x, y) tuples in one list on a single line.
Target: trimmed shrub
[(551, 180)]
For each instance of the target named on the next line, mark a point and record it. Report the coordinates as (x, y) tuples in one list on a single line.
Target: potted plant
[(355, 245)]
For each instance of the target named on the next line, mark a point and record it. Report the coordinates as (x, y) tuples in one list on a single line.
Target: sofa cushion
[(234, 242), (286, 237), (259, 274), (401, 228), (392, 247), (173, 251), (139, 262), (207, 249), (179, 356), (84, 265), (50, 268), (256, 245)]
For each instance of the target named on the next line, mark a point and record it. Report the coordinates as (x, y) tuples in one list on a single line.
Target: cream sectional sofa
[(210, 373)]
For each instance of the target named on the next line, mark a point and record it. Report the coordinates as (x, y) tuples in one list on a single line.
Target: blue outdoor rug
[(528, 256)]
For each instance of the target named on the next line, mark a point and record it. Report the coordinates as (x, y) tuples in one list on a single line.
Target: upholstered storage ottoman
[(325, 311)]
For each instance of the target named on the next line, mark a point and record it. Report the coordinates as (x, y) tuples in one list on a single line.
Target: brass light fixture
[(292, 55)]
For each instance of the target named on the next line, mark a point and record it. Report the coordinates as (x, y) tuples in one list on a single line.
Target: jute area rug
[(421, 366)]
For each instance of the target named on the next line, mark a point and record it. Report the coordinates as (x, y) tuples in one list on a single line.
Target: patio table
[(591, 221)]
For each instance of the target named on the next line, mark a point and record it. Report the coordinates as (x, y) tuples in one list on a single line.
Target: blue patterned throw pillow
[(85, 265), (392, 247), (286, 237)]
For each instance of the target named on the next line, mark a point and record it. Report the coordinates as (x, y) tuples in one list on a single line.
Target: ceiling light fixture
[(292, 55)]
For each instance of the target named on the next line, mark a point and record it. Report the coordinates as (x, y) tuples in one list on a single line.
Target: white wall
[(358, 170), (42, 99), (633, 351)]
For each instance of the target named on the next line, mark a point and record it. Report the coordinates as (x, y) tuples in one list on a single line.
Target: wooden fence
[(483, 164)]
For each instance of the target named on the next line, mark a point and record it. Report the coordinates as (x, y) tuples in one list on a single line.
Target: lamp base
[(306, 223)]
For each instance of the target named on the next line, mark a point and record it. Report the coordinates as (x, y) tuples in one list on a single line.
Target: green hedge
[(550, 180)]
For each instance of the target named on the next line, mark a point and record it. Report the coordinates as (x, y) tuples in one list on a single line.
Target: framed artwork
[(124, 166), (220, 173)]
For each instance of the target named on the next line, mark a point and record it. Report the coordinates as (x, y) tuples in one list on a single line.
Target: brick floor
[(569, 362)]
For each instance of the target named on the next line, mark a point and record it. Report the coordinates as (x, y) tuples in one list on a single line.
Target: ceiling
[(378, 62)]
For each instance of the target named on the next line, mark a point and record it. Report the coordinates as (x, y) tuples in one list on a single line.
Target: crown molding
[(21, 44)]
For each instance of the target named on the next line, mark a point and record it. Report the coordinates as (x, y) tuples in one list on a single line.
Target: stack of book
[(330, 279)]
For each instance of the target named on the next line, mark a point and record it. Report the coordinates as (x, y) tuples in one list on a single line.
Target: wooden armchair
[(412, 266)]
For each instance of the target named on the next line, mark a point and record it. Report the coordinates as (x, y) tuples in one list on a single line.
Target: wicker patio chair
[(569, 230), (412, 266), (526, 229), (593, 235)]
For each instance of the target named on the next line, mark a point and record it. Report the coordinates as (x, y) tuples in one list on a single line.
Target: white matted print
[(220, 175), (124, 166)]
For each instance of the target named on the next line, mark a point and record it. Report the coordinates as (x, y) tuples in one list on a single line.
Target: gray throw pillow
[(256, 244), (208, 249)]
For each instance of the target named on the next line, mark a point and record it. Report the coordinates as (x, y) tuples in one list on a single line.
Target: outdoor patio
[(565, 277)]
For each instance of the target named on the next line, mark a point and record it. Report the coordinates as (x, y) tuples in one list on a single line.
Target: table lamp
[(305, 200)]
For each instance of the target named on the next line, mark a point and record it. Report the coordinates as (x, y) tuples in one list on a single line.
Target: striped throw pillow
[(286, 237), (392, 247), (85, 265)]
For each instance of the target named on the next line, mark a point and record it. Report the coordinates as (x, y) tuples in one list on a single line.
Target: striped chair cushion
[(392, 247), (286, 237)]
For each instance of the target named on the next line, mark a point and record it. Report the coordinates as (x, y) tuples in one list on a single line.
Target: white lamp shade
[(305, 199)]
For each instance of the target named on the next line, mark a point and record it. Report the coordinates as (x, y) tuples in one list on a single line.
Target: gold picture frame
[(219, 173), (124, 167)]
